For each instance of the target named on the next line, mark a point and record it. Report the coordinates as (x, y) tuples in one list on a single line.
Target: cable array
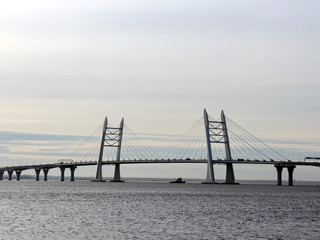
[(134, 148), (191, 145), (246, 146), (88, 150)]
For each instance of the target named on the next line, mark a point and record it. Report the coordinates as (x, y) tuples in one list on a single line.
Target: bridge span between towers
[(73, 165), (216, 144)]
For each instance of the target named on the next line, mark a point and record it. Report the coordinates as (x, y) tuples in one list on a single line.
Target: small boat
[(178, 180)]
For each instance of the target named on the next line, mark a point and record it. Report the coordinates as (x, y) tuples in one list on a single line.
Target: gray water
[(85, 210)]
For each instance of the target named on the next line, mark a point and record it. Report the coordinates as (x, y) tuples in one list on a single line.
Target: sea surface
[(157, 210)]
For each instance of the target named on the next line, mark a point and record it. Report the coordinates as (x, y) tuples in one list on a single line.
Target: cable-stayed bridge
[(208, 141)]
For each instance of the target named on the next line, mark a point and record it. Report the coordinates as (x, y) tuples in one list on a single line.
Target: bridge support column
[(72, 169), (18, 174), (117, 177), (99, 163), (279, 175), (37, 174), (45, 172), (10, 175), (230, 174), (210, 170), (1, 174), (62, 173), (290, 175)]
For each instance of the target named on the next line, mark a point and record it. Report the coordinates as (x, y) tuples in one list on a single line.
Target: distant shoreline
[(188, 180)]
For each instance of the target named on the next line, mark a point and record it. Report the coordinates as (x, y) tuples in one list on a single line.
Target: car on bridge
[(65, 161)]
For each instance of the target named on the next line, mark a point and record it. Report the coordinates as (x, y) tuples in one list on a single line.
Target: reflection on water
[(85, 210)]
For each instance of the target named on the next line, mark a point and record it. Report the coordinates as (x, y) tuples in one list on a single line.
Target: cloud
[(65, 64), (27, 148), (18, 136)]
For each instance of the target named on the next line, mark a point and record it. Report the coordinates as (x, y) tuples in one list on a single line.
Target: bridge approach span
[(73, 165)]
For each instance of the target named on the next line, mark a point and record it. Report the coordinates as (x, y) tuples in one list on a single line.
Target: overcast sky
[(65, 65)]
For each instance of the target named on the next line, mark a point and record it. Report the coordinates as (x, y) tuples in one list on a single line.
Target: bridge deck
[(92, 163)]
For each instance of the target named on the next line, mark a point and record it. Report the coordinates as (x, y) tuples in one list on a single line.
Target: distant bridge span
[(216, 133), (73, 165)]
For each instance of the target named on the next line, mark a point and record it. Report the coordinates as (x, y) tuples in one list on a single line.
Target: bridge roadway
[(290, 165)]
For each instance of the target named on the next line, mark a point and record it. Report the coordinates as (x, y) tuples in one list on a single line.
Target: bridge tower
[(111, 137), (217, 133)]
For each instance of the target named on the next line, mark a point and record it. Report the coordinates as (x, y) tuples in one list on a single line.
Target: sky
[(65, 65)]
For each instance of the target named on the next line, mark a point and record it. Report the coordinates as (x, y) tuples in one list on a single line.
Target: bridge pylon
[(111, 137), (217, 133)]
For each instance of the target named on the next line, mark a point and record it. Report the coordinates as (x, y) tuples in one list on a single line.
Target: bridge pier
[(72, 170), (37, 174), (18, 174), (117, 177), (279, 175), (45, 172), (62, 173), (279, 168), (290, 173), (10, 174), (229, 174), (1, 174)]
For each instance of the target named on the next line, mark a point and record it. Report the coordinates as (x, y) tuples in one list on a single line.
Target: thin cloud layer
[(65, 65)]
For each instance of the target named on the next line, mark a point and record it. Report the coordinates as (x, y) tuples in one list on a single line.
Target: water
[(85, 210)]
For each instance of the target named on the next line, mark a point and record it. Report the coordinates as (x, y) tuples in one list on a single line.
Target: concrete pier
[(18, 174), (37, 174), (279, 175), (117, 177), (45, 171), (279, 168), (62, 169), (290, 173), (1, 174), (10, 174), (229, 174), (72, 170)]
